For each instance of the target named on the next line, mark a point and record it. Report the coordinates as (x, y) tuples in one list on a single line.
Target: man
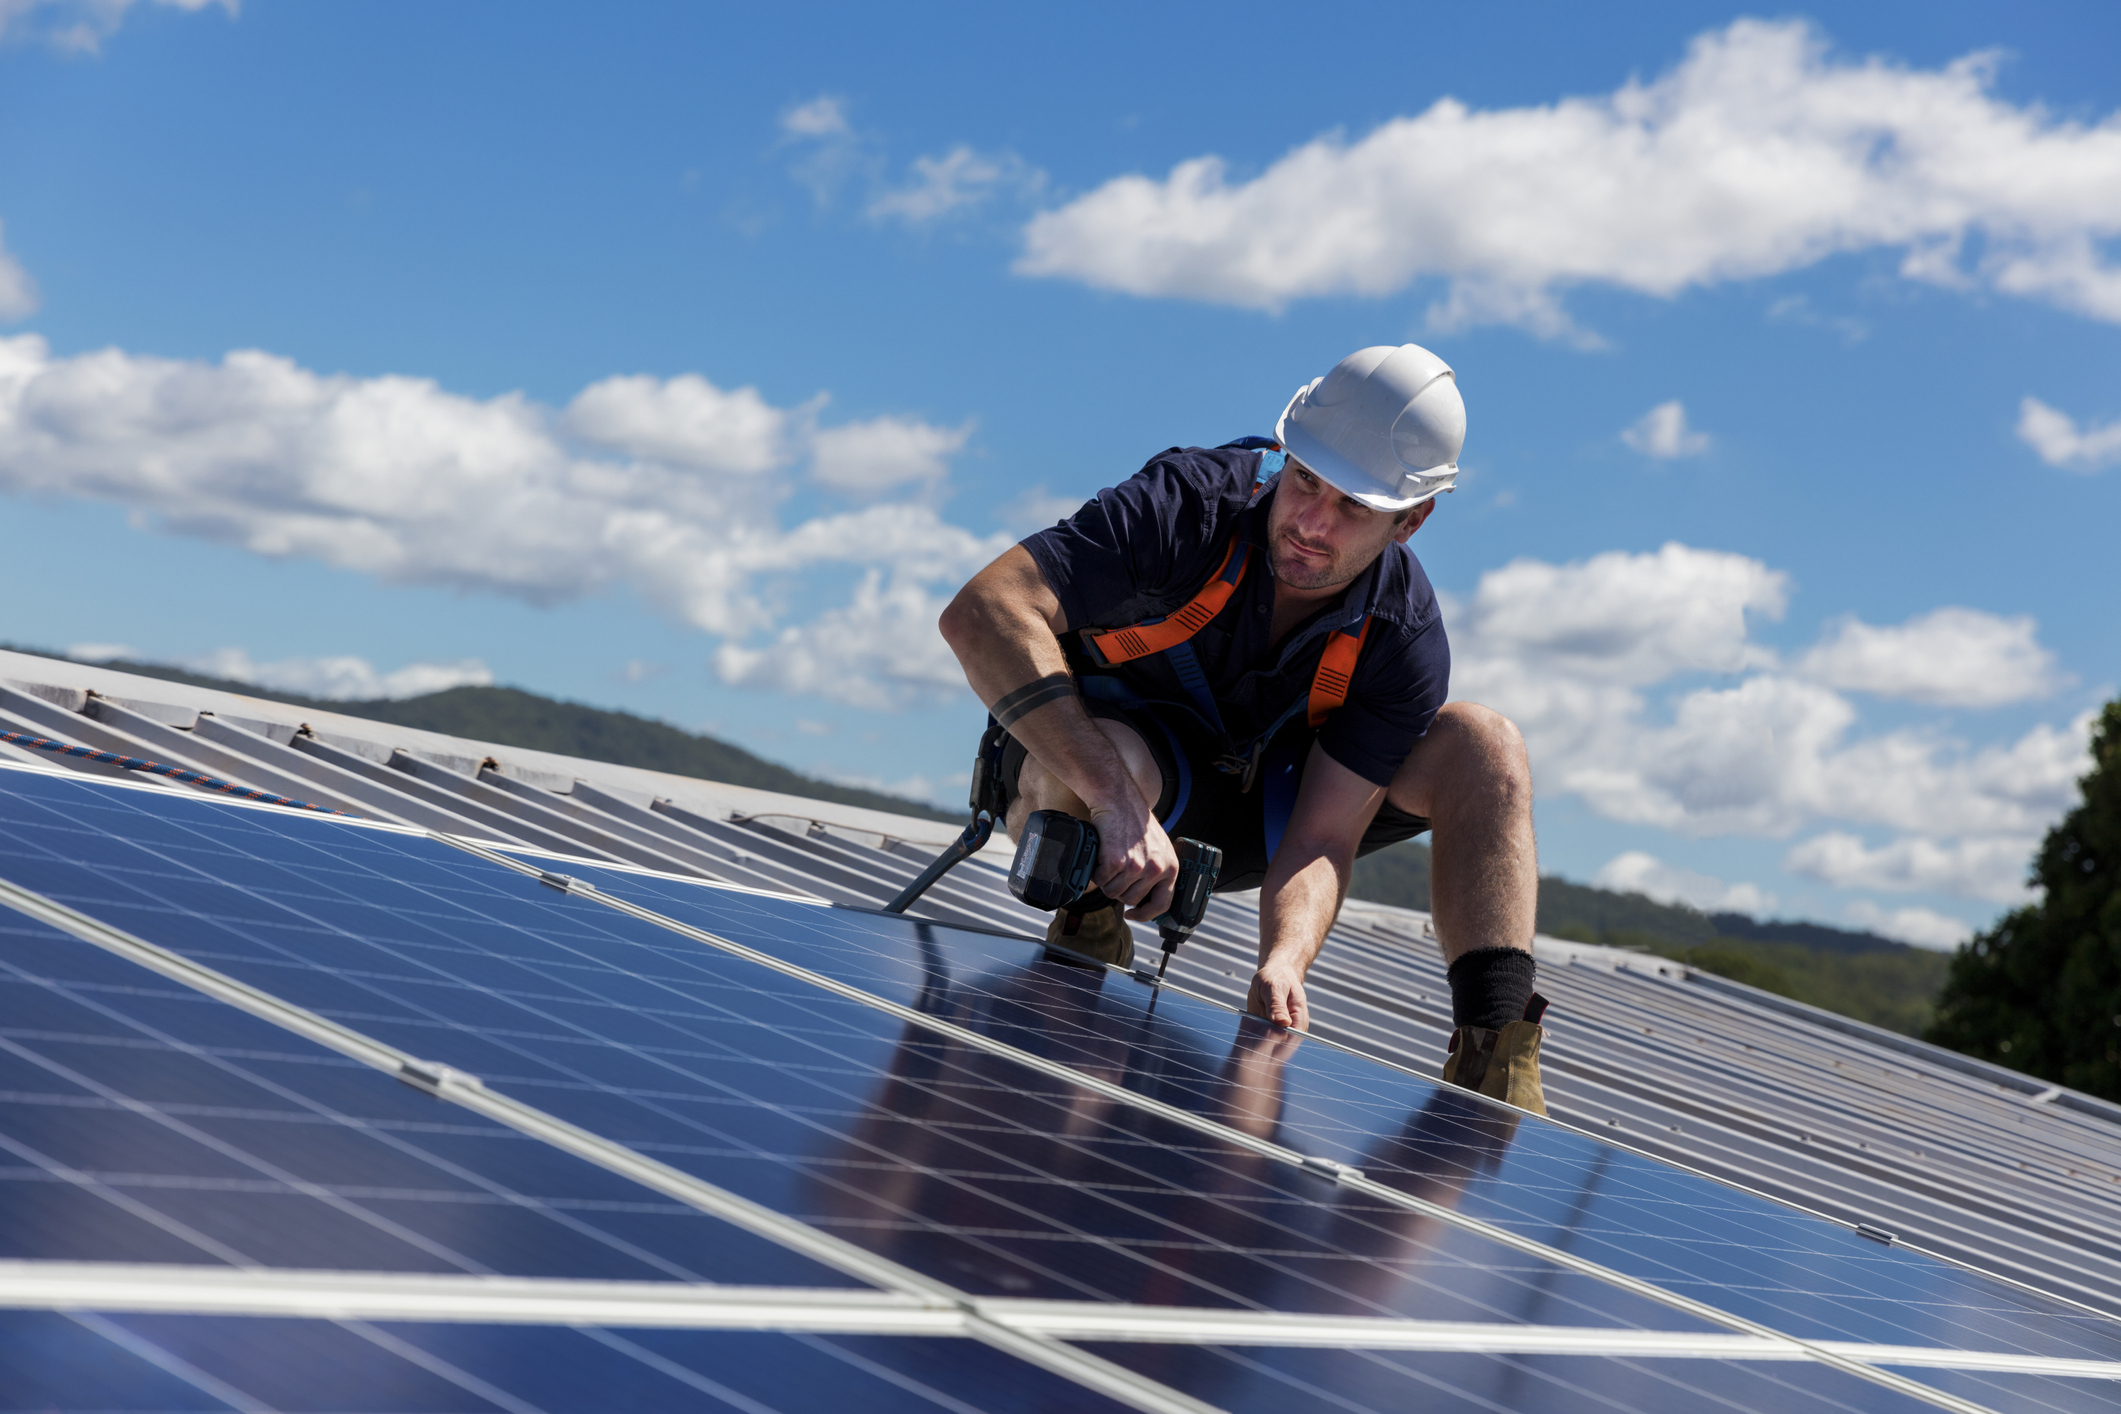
[(1236, 646)]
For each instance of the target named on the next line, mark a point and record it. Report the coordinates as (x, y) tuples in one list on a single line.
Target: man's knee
[(1039, 789), (1470, 751)]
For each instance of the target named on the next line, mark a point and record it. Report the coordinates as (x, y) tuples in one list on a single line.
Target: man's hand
[(1277, 995), (1136, 863)]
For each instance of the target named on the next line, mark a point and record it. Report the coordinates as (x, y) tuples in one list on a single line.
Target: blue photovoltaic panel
[(1687, 1233), (1267, 1381), (126, 1364), (143, 1122), (958, 1162)]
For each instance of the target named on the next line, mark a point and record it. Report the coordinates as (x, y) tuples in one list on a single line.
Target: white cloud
[(80, 26), (18, 292), (1918, 927), (1756, 154), (1624, 618), (885, 452), (1638, 873), (1992, 868), (961, 178), (823, 116), (1662, 432), (686, 421), (1568, 651), (1953, 657), (879, 650), (343, 678), (399, 478), (2058, 440)]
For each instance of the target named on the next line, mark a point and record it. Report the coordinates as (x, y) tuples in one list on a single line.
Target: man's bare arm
[(1005, 628), (1307, 882)]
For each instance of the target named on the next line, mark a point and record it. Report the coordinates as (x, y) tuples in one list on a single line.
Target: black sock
[(1490, 987)]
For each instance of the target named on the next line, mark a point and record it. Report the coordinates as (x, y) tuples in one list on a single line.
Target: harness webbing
[(1336, 668), (1124, 645), (1170, 635)]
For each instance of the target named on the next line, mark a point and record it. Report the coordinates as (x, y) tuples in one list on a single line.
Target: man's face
[(1319, 539)]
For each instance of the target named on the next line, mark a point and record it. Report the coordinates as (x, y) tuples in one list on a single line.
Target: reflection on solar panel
[(663, 1143)]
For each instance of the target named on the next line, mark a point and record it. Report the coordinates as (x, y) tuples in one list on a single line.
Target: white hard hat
[(1384, 426)]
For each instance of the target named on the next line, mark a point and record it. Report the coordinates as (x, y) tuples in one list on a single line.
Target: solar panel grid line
[(1057, 1358), (170, 1364), (1382, 1192)]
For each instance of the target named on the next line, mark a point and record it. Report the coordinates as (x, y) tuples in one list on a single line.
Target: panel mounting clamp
[(431, 1076), (1333, 1169)]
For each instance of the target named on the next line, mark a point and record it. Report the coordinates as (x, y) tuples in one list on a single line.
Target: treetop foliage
[(2041, 991)]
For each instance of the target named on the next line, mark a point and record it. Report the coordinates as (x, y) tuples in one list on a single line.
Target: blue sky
[(684, 358)]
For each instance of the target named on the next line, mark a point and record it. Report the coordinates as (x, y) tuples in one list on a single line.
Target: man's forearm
[(1298, 903), (1013, 659)]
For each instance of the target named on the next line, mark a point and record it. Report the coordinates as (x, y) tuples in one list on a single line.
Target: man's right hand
[(1136, 863)]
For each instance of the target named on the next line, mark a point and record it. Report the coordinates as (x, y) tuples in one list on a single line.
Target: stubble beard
[(1297, 575)]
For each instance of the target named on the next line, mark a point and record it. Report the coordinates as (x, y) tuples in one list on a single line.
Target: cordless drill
[(1057, 854)]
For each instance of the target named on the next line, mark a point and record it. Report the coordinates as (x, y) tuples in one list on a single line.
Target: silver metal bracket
[(432, 1076), (1329, 1168)]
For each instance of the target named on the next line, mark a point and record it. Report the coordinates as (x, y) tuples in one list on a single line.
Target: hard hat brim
[(1351, 480)]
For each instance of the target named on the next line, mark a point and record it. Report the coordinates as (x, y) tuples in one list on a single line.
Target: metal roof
[(1908, 1143)]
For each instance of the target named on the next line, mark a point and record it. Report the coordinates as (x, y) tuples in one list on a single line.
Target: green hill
[(508, 716), (1861, 975)]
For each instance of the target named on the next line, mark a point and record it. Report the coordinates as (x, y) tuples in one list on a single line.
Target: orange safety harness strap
[(1124, 645), (1336, 668), (1329, 685)]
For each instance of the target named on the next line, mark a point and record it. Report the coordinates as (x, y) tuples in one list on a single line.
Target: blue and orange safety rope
[(190, 778)]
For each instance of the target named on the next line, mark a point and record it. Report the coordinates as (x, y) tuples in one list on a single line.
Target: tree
[(2041, 991)]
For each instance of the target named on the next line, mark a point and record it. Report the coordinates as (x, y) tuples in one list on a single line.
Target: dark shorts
[(1200, 802)]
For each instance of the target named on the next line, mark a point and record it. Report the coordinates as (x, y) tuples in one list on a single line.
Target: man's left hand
[(1277, 995)]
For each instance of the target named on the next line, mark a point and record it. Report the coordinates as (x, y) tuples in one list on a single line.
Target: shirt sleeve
[(1394, 698), (1124, 554)]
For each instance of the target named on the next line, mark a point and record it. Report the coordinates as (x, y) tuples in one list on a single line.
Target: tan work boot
[(1503, 1065), (1101, 933)]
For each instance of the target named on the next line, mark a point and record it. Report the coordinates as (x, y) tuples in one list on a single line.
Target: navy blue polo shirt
[(1143, 548)]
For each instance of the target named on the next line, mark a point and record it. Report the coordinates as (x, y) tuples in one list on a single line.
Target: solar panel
[(132, 1364), (143, 1122), (1252, 1381), (1014, 1129), (956, 1162), (1745, 1254)]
